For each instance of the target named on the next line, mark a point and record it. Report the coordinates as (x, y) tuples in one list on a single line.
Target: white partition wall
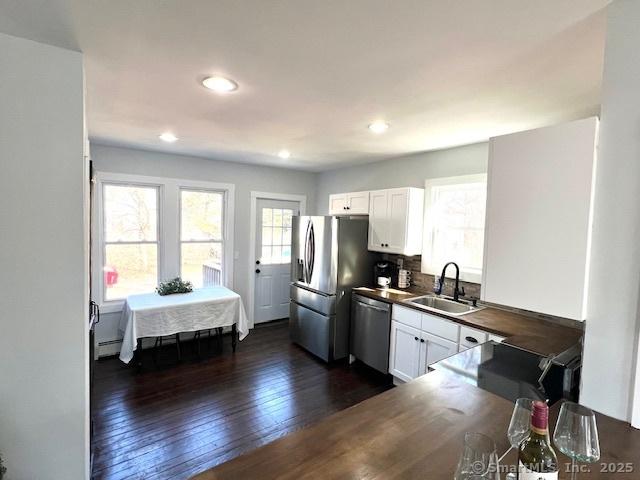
[(611, 341), (538, 226), (43, 258)]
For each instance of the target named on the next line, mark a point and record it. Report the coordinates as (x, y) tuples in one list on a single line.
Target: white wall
[(406, 171), (611, 328), (43, 299), (246, 178)]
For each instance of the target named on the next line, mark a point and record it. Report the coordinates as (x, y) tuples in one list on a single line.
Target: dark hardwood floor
[(176, 420)]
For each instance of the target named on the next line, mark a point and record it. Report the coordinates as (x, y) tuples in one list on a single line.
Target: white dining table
[(153, 315)]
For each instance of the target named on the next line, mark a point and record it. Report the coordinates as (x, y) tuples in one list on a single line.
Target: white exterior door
[(273, 258), (404, 354)]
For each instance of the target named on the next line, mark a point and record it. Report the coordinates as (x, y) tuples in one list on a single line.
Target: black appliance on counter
[(382, 270), (511, 372)]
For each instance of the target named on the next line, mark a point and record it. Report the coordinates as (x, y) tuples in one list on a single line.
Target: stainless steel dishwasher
[(370, 329)]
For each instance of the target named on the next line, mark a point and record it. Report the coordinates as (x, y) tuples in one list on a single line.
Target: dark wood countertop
[(412, 431), (529, 333)]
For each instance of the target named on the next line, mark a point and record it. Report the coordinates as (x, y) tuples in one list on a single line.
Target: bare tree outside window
[(130, 240)]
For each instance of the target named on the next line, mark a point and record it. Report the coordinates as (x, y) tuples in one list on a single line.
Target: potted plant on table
[(175, 285)]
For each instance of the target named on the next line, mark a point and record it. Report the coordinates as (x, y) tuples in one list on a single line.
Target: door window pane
[(286, 218), (130, 269), (276, 235), (286, 236), (267, 216), (265, 257), (266, 235), (201, 264), (130, 213), (277, 217)]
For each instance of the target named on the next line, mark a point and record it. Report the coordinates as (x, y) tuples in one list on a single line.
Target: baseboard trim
[(110, 348)]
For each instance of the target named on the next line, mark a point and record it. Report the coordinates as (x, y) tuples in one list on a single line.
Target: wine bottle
[(536, 458)]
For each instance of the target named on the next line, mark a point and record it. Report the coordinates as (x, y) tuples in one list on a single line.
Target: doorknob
[(257, 270)]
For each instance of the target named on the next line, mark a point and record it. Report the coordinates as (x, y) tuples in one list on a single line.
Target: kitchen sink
[(439, 304)]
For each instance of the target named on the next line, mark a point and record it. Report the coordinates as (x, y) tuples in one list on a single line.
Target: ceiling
[(313, 74)]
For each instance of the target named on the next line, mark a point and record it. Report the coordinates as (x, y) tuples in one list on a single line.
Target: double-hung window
[(454, 225), (130, 233), (201, 237), (151, 229)]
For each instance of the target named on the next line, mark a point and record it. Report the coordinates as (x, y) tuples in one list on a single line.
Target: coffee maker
[(382, 274)]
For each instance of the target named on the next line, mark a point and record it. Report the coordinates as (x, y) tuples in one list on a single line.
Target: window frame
[(169, 219), (104, 242), (223, 239), (427, 265)]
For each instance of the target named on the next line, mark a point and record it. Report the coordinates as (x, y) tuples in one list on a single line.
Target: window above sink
[(454, 218)]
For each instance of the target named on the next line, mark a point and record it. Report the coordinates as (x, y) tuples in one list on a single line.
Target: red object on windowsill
[(110, 276)]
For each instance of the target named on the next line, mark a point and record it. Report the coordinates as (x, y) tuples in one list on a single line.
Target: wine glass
[(576, 434), (520, 425), (479, 459)]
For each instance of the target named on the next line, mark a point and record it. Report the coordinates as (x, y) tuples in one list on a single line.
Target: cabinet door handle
[(415, 338), (422, 340), (471, 339)]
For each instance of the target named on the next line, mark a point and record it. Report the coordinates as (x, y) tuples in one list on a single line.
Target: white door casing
[(273, 291)]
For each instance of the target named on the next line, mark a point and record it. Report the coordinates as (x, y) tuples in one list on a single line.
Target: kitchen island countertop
[(414, 431)]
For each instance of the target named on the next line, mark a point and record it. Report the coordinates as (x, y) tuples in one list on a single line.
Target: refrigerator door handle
[(309, 253)]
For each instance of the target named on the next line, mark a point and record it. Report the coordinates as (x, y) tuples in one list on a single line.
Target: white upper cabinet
[(538, 225), (354, 203), (395, 220), (338, 204)]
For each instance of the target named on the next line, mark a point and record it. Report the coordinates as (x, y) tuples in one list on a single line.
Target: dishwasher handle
[(373, 307)]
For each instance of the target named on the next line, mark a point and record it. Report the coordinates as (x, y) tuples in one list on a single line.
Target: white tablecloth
[(153, 315)]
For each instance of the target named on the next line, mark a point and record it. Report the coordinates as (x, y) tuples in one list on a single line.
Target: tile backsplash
[(424, 281)]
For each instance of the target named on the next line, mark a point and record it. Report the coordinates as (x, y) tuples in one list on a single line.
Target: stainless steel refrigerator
[(329, 258)]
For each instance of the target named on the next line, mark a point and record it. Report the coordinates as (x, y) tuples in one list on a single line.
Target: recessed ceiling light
[(220, 84), (284, 154), (168, 137), (378, 127)]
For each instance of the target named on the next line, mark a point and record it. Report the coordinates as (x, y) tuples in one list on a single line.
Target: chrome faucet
[(457, 290)]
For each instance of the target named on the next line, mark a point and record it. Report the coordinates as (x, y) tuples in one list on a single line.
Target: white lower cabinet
[(434, 349), (421, 339), (412, 351), (404, 351), (470, 337)]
